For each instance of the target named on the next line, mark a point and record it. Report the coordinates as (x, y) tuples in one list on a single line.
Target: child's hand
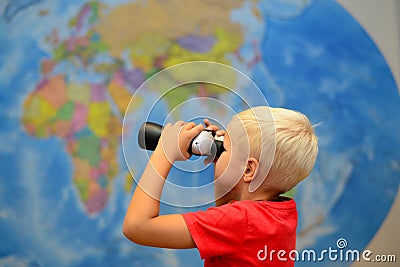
[(213, 127), (175, 139)]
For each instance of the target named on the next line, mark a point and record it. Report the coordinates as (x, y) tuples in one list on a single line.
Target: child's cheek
[(227, 174)]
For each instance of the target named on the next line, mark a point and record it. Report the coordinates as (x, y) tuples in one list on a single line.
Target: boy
[(246, 218)]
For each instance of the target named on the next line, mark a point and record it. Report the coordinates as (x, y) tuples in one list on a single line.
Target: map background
[(61, 161), (382, 22)]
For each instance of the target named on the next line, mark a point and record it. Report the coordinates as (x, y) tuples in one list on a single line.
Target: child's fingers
[(191, 130), (198, 128), (210, 126), (189, 125), (195, 130), (179, 123), (220, 132)]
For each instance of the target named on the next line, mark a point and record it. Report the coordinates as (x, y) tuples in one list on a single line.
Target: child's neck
[(259, 195), (242, 193)]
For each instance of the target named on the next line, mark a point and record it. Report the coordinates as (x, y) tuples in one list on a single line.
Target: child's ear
[(252, 165)]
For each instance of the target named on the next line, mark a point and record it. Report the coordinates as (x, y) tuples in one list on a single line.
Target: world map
[(69, 71), (81, 114)]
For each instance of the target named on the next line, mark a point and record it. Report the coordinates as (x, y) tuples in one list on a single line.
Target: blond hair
[(296, 145)]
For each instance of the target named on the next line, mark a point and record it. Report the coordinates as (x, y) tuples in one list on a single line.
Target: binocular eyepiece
[(203, 144)]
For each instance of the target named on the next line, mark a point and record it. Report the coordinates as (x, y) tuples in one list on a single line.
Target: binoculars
[(203, 144)]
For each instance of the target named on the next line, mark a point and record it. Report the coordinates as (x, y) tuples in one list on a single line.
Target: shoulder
[(231, 212), (218, 230), (239, 212), (263, 205), (284, 203), (284, 208)]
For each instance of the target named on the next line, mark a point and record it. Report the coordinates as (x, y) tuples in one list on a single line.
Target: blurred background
[(382, 22), (71, 76)]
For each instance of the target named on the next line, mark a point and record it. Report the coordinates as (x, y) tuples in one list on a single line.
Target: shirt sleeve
[(218, 231)]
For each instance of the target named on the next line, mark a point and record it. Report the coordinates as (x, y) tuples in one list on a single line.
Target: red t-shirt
[(245, 233)]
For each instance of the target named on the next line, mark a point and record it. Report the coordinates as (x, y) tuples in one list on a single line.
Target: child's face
[(227, 172), (229, 167), (221, 163)]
